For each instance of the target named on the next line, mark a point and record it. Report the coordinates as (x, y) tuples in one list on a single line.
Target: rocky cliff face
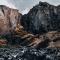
[(9, 18), (42, 18), (26, 30)]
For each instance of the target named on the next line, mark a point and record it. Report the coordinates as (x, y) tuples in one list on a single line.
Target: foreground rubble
[(29, 54)]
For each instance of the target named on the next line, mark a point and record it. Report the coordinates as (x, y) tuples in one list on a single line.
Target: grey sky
[(24, 5)]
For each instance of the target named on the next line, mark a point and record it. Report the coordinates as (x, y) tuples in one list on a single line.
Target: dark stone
[(42, 18), (26, 53)]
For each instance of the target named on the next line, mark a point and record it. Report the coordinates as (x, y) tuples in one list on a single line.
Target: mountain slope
[(27, 30), (42, 18), (9, 18)]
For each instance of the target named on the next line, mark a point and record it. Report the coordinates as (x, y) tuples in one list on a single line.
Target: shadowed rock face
[(8, 19), (42, 18)]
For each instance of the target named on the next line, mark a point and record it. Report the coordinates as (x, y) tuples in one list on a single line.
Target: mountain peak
[(42, 18), (43, 3)]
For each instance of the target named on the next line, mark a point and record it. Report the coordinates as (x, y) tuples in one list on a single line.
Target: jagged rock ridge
[(42, 18), (26, 30)]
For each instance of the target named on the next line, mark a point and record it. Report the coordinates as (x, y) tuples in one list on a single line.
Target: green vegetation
[(2, 37)]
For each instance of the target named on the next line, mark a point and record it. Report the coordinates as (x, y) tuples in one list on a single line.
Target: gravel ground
[(29, 54)]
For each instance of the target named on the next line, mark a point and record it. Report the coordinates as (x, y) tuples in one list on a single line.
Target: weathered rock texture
[(39, 28), (42, 18), (49, 40), (8, 19)]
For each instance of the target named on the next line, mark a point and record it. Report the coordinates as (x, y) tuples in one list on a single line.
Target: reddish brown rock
[(49, 39), (3, 42), (54, 39), (9, 18)]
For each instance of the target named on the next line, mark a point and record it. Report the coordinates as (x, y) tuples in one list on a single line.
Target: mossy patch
[(2, 37)]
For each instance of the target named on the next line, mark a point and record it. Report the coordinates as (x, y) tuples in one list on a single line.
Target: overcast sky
[(24, 5)]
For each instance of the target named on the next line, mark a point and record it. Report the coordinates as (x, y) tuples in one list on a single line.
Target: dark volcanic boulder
[(42, 18)]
